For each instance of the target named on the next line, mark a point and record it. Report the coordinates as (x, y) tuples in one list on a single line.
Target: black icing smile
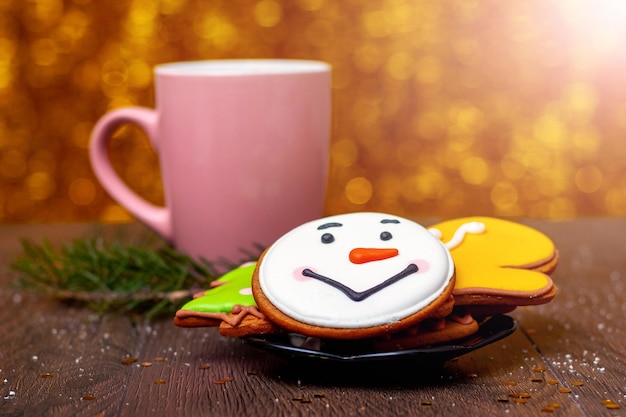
[(361, 295)]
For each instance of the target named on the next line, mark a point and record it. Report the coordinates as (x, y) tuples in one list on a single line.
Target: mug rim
[(241, 67)]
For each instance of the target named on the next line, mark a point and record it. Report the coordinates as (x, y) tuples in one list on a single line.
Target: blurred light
[(475, 170), (367, 58), (216, 29), (320, 33), (82, 191), (170, 7), (40, 185), (428, 70), (409, 153), (375, 23), (615, 199), (505, 197), (12, 165), (400, 66), (310, 5), (115, 214), (139, 75), (43, 52), (359, 190), (550, 131), (588, 179), (512, 167), (439, 108), (268, 13), (600, 23), (429, 184), (344, 153)]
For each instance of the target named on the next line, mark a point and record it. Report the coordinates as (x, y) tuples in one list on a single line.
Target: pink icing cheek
[(297, 274), (422, 265)]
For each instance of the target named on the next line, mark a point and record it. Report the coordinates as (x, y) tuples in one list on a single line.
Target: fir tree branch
[(115, 276)]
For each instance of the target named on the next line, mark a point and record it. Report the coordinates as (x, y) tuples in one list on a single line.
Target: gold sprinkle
[(146, 364), (204, 366), (539, 369), (525, 395), (554, 405), (521, 401), (223, 380), (427, 403), (160, 381), (88, 397), (159, 359), (319, 395), (565, 390), (578, 383), (301, 400), (46, 375), (511, 383), (129, 361), (552, 382), (547, 410)]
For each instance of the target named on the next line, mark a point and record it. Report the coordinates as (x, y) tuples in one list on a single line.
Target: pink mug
[(243, 148)]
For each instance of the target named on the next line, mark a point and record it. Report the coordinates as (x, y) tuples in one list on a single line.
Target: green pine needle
[(113, 276)]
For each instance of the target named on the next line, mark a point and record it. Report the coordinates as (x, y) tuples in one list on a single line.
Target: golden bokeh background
[(441, 108)]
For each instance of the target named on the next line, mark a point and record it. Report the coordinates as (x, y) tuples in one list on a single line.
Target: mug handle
[(156, 217)]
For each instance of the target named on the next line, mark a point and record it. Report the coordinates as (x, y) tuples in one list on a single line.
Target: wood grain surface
[(566, 357)]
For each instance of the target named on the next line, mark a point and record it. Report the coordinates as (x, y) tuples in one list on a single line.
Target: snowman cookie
[(354, 276)]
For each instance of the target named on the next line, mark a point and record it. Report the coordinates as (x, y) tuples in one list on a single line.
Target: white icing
[(436, 232), (314, 302), (459, 235)]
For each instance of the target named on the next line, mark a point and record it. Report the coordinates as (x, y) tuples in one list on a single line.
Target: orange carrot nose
[(363, 255)]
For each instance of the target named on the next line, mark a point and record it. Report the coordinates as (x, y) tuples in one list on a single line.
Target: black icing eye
[(328, 238), (385, 236)]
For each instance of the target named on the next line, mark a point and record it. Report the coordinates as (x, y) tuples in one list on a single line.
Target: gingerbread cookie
[(381, 279), (354, 276), (499, 264), (212, 307), (429, 332)]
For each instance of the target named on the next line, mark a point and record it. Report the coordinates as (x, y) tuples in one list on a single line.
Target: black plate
[(300, 347)]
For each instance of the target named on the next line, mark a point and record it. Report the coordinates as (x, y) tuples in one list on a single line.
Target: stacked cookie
[(383, 279)]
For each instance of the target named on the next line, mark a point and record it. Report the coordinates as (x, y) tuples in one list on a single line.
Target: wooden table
[(565, 358)]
